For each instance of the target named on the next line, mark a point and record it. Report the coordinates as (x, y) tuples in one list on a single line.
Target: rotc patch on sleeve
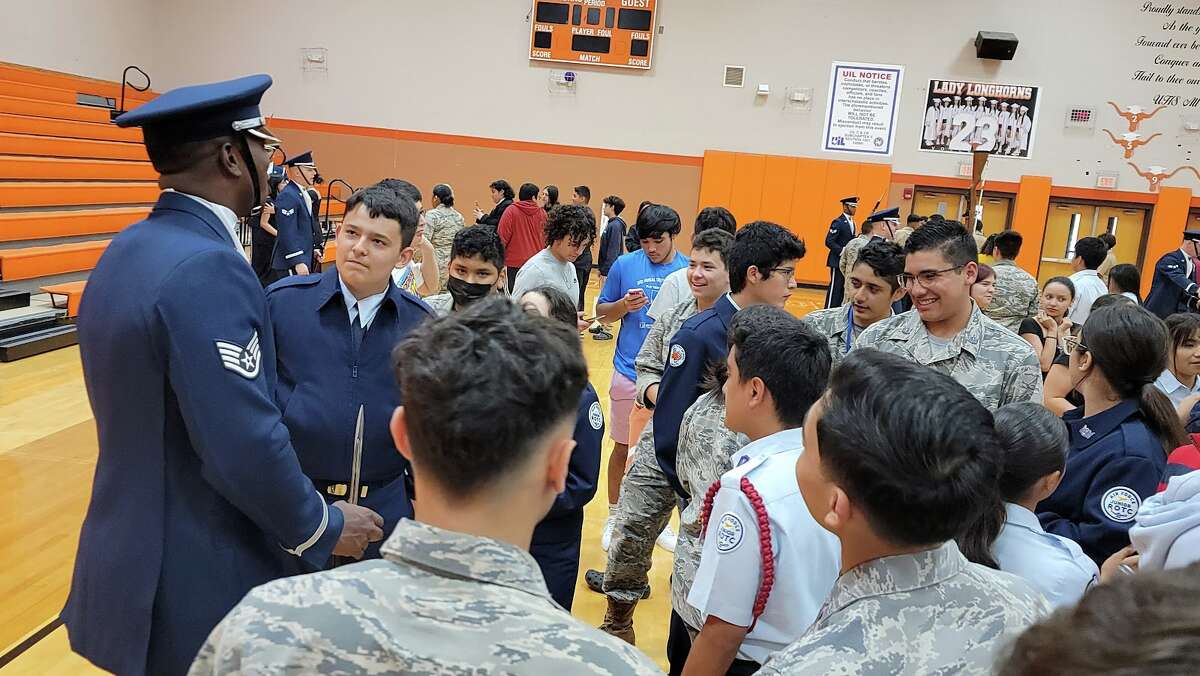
[(596, 416), (244, 361), (729, 533), (1120, 504), (678, 355)]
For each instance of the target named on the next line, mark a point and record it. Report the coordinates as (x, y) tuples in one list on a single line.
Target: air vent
[(735, 76), (1080, 117)]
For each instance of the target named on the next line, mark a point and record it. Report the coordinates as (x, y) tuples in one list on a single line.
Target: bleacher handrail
[(126, 83)]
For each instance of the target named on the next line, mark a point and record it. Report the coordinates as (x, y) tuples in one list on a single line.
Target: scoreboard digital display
[(601, 32)]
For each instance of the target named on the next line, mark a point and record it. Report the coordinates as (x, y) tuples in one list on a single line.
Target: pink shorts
[(621, 393)]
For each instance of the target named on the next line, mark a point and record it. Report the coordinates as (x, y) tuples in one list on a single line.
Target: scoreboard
[(601, 32)]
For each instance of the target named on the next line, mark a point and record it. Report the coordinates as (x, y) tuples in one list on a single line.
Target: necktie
[(356, 329)]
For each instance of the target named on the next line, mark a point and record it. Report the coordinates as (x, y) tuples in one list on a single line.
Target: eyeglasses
[(1074, 344), (925, 277), (787, 272)]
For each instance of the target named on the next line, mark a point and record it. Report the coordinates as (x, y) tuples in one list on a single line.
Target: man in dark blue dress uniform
[(334, 335), (841, 231), (1175, 288), (198, 495), (294, 220)]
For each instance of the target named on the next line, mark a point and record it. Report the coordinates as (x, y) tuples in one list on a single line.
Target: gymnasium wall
[(462, 68), (83, 37)]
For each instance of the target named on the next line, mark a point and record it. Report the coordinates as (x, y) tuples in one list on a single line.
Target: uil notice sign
[(863, 102)]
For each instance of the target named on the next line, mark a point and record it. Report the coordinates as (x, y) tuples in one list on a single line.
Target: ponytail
[(1161, 418), (976, 542)]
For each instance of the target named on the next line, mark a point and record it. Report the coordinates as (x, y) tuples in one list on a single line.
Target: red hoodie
[(522, 230)]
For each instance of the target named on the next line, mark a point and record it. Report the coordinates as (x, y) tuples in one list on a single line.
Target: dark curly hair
[(568, 220)]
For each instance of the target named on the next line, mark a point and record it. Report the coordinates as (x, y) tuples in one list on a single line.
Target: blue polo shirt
[(635, 271)]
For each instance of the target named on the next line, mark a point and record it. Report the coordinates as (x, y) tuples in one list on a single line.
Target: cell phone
[(637, 292)]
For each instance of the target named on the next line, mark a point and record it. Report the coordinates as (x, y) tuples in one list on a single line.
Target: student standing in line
[(580, 197), (502, 197), (611, 242), (1089, 254)]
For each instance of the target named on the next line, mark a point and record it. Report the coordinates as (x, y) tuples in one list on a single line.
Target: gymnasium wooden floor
[(48, 452)]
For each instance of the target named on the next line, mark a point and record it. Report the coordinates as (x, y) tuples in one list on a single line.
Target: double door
[(1069, 222), (952, 205)]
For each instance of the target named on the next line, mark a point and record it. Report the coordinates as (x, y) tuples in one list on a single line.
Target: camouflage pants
[(643, 510)]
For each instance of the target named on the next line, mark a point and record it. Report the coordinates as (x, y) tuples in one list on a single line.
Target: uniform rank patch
[(287, 212), (244, 361), (678, 354), (1120, 504), (729, 533), (596, 416)]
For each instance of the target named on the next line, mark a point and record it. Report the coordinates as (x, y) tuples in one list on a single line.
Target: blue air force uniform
[(1174, 284), (198, 496), (1115, 462), (294, 222), (556, 538), (700, 341), (325, 374), (841, 231)]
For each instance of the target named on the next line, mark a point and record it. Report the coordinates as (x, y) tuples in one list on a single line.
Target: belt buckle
[(337, 490)]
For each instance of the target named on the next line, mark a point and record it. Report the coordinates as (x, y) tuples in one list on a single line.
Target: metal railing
[(126, 83)]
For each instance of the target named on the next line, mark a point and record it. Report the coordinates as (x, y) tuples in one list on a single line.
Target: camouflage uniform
[(831, 324), (1016, 296), (932, 612), (993, 363), (705, 446), (441, 224), (438, 602), (847, 261), (646, 500), (902, 235)]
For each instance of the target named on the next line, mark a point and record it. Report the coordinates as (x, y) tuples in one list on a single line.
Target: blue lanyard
[(849, 330)]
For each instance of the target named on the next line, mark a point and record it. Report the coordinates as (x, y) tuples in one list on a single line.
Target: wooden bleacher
[(69, 180)]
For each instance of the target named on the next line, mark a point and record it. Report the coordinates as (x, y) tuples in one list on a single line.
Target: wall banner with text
[(863, 102), (996, 118)]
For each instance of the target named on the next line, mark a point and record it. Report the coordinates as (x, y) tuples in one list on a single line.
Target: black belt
[(341, 489)]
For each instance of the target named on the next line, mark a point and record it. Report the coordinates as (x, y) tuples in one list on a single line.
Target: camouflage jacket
[(441, 224), (848, 260), (705, 446), (1016, 296), (932, 612), (831, 324), (441, 303), (993, 363), (651, 360), (438, 602)]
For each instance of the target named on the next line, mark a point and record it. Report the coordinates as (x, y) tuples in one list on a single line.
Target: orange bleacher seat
[(63, 168), (45, 78), (37, 92), (43, 261), (73, 291), (72, 194), (47, 146), (41, 126), (16, 227), (56, 111)]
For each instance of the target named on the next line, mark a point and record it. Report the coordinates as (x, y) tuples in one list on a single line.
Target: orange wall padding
[(1166, 229)]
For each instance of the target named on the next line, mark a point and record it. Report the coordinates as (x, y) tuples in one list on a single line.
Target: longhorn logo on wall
[(962, 116)]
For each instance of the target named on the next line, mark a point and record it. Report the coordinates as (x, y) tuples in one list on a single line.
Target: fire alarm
[(908, 193)]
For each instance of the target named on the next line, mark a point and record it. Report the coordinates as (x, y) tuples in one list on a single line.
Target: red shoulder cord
[(764, 541)]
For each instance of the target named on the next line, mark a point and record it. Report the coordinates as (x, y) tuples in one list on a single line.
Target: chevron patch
[(244, 361)]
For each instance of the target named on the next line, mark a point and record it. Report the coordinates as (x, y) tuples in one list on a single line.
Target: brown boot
[(618, 620)]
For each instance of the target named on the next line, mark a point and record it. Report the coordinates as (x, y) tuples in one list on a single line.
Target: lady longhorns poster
[(996, 118)]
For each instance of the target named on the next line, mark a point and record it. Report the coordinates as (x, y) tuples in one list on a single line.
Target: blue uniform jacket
[(700, 341), (840, 234), (197, 490), (1172, 285), (323, 378), (1114, 463), (294, 243)]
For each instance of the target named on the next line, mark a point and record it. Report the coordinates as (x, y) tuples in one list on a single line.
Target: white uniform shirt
[(931, 123), (1052, 564), (1176, 391), (366, 308), (1088, 287), (675, 290), (807, 557)]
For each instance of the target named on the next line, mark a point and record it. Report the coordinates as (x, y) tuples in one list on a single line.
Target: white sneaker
[(606, 538), (667, 539)]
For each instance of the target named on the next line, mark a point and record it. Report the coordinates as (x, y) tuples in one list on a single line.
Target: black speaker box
[(992, 45)]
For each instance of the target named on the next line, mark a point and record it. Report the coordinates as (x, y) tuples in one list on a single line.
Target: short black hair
[(714, 239), (886, 260), (1127, 278), (656, 220), (763, 245), (1008, 243), (584, 192), (917, 479), (1092, 251), (1065, 281), (868, 227), (503, 186), (173, 157), (401, 187), (573, 221), (1109, 239), (914, 218), (444, 194), (1035, 444), (528, 191), (380, 201), (790, 358), (478, 241), (617, 204), (562, 306), (715, 217), (483, 387), (950, 238)]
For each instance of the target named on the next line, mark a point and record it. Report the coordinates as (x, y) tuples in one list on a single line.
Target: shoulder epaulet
[(413, 299), (293, 281)]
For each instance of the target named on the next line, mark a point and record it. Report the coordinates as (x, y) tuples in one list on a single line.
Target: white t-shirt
[(543, 269), (675, 290), (1088, 287)]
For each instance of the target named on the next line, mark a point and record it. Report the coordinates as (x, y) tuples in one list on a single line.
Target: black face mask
[(318, 179), (465, 293)]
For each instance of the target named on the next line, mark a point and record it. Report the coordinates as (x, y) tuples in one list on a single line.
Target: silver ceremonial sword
[(356, 465)]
